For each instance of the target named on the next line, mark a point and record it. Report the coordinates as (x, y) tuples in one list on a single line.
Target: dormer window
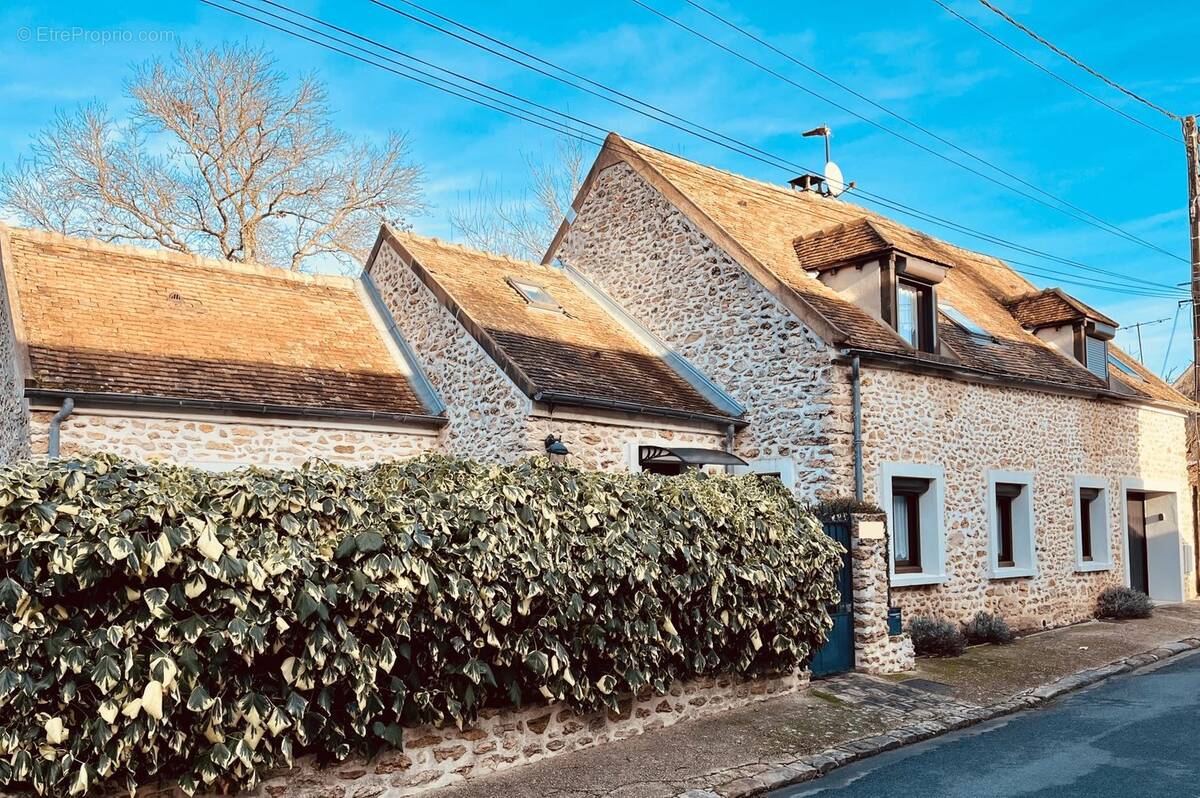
[(914, 313), (1069, 326), (1096, 356), (887, 270)]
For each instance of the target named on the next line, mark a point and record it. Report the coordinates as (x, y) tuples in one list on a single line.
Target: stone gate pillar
[(875, 651)]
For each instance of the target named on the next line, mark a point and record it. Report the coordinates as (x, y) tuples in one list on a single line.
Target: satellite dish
[(834, 181)]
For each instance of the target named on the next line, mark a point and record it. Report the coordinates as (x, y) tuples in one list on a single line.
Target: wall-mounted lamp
[(556, 449)]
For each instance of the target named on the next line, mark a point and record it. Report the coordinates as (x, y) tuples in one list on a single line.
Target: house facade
[(685, 317), (162, 356), (1024, 463)]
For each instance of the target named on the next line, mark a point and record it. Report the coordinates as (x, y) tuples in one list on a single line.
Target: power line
[(547, 123), (1081, 214), (1031, 34), (1055, 75), (738, 145), (1171, 340)]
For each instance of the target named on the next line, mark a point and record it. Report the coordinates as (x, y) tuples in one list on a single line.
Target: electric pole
[(1192, 143)]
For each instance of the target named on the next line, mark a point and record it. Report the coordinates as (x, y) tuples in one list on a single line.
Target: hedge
[(159, 621)]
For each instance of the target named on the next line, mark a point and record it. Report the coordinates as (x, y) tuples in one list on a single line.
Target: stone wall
[(605, 446), (229, 444), (875, 651), (434, 757), (14, 415), (642, 251), (486, 411), (971, 429)]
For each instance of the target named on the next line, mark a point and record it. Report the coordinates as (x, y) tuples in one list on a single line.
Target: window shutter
[(1097, 357)]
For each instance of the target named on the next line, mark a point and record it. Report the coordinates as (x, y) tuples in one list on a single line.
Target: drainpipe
[(729, 445), (68, 407), (856, 394)]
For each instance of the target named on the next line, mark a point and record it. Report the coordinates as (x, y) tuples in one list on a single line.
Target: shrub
[(840, 506), (1123, 602), (987, 628), (157, 621), (935, 637)]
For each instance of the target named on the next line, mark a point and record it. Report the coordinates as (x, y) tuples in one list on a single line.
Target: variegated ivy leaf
[(454, 586)]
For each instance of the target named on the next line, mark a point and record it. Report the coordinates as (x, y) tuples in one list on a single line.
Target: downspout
[(729, 445), (856, 398), (68, 407)]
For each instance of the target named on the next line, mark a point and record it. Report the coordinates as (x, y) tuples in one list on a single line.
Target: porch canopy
[(687, 457)]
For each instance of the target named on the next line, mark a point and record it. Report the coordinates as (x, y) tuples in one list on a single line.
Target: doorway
[(1153, 542), (1135, 518)]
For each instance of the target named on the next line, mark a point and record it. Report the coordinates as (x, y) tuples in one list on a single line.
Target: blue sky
[(909, 55)]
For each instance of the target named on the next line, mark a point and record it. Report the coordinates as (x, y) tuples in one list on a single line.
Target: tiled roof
[(861, 239), (1051, 307), (765, 220), (582, 351), (110, 319)]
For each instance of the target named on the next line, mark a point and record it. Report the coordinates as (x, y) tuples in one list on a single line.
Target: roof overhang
[(597, 403), (939, 367), (86, 399)]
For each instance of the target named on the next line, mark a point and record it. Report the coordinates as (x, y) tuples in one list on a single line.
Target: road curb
[(814, 766)]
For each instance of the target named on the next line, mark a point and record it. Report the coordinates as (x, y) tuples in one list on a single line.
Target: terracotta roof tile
[(861, 239), (582, 351), (766, 220), (103, 318), (1052, 307)]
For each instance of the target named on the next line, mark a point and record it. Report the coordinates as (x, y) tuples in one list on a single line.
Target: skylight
[(972, 329), (1123, 366), (536, 295)]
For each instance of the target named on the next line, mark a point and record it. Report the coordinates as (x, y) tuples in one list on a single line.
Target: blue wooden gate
[(837, 655)]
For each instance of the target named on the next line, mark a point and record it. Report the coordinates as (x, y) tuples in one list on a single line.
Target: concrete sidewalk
[(745, 751)]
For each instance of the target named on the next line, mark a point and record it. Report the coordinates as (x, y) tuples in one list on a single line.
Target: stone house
[(1024, 463), (527, 355), (160, 355)]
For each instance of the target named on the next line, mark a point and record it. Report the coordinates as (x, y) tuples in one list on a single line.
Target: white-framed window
[(781, 467), (1093, 528), (913, 496), (1012, 552)]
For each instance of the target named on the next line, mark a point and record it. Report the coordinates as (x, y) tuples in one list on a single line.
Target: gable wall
[(641, 250), (14, 414), (486, 411)]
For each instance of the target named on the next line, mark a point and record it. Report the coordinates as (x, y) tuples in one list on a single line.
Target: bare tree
[(221, 155), (523, 227)]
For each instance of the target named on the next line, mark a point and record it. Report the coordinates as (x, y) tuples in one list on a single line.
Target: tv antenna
[(835, 181)]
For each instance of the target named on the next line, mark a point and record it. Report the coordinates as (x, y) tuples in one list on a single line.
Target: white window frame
[(1024, 527), (785, 467), (1102, 532), (933, 521)]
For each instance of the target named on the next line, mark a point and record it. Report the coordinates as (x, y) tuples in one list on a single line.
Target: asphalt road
[(1134, 735)]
